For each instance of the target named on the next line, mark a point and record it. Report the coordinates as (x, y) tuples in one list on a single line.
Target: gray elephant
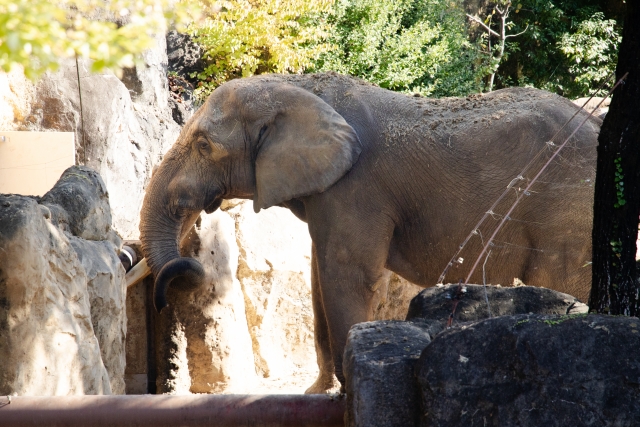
[(384, 181)]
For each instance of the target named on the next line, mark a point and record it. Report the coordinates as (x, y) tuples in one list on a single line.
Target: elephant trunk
[(160, 233)]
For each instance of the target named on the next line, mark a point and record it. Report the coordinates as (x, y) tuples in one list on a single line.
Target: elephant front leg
[(348, 292), (325, 382)]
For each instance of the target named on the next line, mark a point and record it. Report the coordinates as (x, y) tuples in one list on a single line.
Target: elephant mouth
[(215, 204)]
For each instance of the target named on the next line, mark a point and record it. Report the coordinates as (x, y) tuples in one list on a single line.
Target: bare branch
[(521, 32), (479, 21)]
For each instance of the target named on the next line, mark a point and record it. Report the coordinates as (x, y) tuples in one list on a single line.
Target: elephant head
[(255, 138)]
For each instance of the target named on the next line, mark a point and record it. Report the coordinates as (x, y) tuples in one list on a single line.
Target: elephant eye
[(203, 145)]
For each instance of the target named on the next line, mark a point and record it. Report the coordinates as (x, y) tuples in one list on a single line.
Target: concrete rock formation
[(379, 361), (437, 303), (252, 323), (250, 329), (79, 203), (107, 294), (380, 357), (533, 370), (62, 316)]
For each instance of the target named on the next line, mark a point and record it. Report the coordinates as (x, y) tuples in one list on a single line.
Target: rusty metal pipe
[(175, 411)]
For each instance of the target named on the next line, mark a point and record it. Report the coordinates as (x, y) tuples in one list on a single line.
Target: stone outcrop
[(107, 295), (250, 329), (380, 357), (185, 59), (79, 204), (379, 361), (184, 56), (62, 317), (252, 322), (476, 302), (533, 370)]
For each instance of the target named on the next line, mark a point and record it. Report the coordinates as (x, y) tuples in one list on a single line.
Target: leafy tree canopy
[(244, 37), (404, 45), (568, 48), (36, 34)]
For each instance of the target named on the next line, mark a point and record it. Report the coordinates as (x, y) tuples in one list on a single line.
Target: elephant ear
[(305, 148)]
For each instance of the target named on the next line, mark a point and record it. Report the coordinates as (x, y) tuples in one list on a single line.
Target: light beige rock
[(274, 273), (107, 294), (16, 96), (396, 298), (204, 342), (250, 330), (47, 341)]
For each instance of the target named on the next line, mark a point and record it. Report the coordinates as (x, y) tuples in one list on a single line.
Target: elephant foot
[(325, 384)]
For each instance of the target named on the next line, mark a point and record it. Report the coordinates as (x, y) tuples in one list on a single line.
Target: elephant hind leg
[(325, 381)]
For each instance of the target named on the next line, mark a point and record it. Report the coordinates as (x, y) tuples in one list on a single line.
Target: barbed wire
[(513, 206), (520, 192)]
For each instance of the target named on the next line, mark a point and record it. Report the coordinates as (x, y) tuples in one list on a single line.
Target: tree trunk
[(617, 189)]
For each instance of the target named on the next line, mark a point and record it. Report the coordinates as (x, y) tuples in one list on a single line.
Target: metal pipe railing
[(175, 411)]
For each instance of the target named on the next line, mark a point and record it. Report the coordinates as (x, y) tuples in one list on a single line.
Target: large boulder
[(380, 357), (533, 370), (79, 203), (107, 294), (184, 56), (62, 316), (250, 328), (379, 360), (47, 342), (475, 302)]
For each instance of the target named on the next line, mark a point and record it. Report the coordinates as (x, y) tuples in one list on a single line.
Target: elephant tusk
[(137, 273)]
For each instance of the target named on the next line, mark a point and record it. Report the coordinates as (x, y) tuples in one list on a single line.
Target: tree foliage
[(411, 45), (403, 45), (36, 34), (568, 48), (591, 51), (240, 38)]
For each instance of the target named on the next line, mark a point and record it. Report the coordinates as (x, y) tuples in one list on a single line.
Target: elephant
[(385, 181)]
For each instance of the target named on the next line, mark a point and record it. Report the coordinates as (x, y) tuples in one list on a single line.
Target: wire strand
[(520, 176)]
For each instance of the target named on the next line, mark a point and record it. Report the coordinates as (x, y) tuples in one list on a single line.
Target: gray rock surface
[(79, 203), (184, 56), (107, 297), (47, 341), (533, 370), (437, 302), (380, 356), (379, 362), (62, 297)]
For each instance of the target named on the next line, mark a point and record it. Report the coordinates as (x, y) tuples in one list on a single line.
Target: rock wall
[(62, 297), (383, 358), (250, 330), (122, 130)]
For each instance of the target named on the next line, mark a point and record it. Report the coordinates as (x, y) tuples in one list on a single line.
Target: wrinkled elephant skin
[(384, 181)]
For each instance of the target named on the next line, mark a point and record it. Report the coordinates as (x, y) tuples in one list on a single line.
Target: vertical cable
[(84, 145)]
